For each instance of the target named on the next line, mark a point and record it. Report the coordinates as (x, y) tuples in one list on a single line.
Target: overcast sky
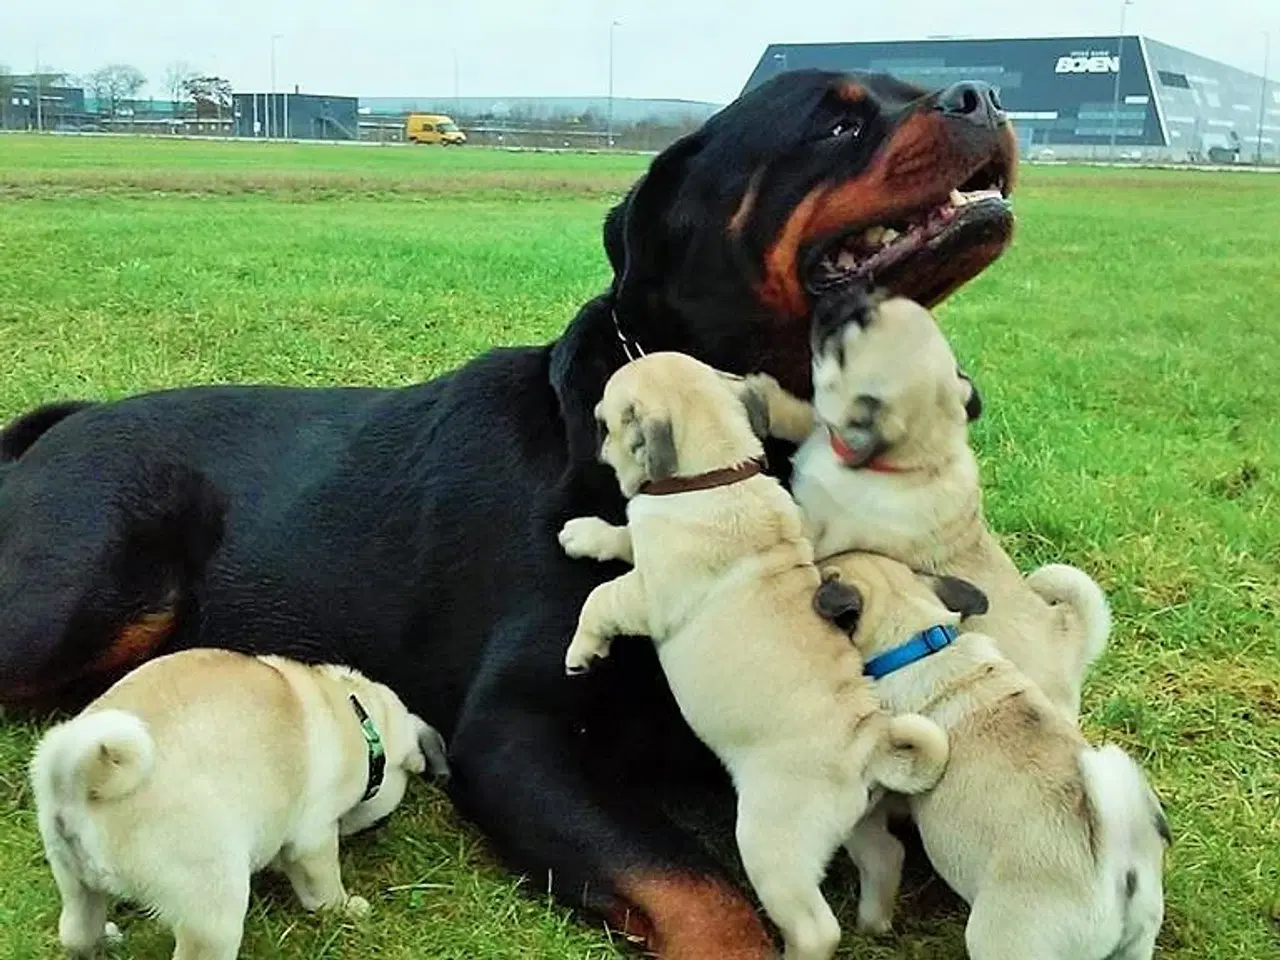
[(695, 49)]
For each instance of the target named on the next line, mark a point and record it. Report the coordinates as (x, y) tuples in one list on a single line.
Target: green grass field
[(1126, 347)]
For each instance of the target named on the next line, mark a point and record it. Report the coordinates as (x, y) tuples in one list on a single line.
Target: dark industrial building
[(295, 116), (28, 105), (1070, 96)]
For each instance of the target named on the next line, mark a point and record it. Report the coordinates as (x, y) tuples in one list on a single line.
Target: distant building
[(132, 107), (295, 116), (26, 104), (627, 111), (1061, 92), (586, 123)]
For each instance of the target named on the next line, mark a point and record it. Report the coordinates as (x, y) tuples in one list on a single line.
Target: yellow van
[(433, 128)]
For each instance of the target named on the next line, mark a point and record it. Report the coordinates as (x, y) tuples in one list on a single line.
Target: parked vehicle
[(433, 128)]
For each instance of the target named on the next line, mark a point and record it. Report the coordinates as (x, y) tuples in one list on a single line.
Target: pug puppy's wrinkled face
[(886, 383)]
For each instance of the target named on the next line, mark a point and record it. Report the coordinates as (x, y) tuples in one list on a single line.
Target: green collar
[(377, 753)]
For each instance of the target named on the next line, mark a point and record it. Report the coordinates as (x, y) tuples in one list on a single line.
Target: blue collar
[(923, 644)]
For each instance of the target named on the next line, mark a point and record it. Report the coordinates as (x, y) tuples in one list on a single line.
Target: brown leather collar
[(703, 481)]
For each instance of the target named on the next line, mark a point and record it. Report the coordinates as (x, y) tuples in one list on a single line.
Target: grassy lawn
[(1126, 347)]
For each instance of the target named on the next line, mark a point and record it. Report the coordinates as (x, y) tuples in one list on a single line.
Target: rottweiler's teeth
[(874, 236), (888, 236), (958, 199)]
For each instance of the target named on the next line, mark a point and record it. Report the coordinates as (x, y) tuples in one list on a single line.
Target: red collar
[(848, 456)]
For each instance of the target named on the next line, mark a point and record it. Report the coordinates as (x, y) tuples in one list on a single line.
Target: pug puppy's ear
[(972, 398), (757, 405), (653, 444), (960, 596), (753, 391), (838, 603)]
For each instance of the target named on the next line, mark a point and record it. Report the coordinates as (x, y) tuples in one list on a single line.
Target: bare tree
[(115, 83), (211, 95), (176, 77)]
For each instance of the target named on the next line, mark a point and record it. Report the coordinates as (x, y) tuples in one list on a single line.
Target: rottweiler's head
[(807, 184)]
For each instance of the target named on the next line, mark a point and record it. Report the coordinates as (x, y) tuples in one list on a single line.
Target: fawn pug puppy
[(202, 767), (724, 582), (889, 469), (1058, 847)]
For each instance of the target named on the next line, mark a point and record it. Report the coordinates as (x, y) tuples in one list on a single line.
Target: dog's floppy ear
[(634, 238), (653, 443), (757, 405), (660, 459), (751, 392), (960, 596), (973, 400), (837, 602)]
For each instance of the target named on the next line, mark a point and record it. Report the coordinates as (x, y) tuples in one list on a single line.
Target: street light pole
[(1115, 93), (271, 110), (613, 24), (39, 109), (457, 101), (1262, 99)]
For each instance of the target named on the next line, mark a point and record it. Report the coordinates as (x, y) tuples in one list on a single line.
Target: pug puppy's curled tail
[(911, 756)]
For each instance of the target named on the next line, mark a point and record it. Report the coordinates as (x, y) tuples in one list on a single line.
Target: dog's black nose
[(974, 101), (867, 407)]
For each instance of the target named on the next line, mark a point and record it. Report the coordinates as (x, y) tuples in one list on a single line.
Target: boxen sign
[(1088, 63), (1058, 90)]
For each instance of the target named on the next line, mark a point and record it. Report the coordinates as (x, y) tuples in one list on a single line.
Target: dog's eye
[(849, 125)]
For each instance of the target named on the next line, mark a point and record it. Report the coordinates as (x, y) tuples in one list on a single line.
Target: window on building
[(1087, 130), (1171, 79)]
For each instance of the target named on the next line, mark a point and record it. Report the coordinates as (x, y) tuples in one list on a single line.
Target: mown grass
[(122, 164), (1126, 347)]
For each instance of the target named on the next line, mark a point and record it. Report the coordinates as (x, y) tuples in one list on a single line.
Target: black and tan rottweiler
[(412, 532)]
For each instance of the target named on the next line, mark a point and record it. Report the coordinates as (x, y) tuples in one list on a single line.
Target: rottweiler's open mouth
[(970, 215)]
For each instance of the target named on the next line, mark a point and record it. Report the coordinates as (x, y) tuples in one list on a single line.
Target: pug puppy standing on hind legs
[(723, 580)]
